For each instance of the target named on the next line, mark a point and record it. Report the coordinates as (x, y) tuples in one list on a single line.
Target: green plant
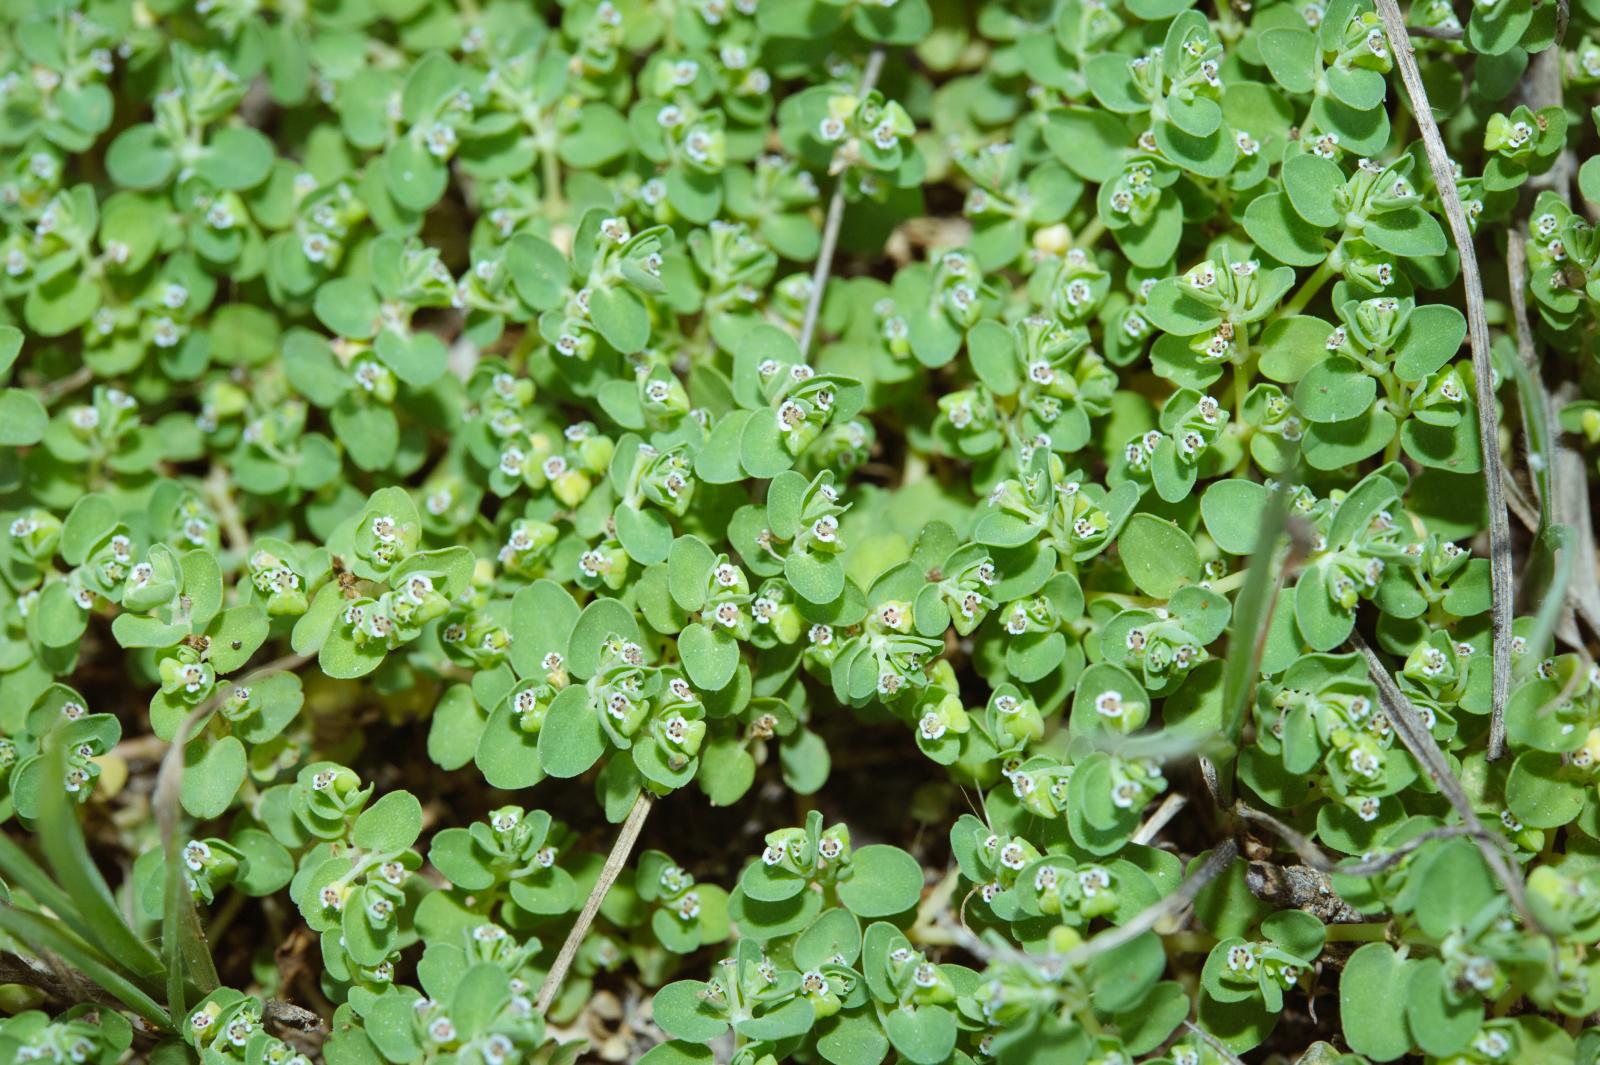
[(1045, 453)]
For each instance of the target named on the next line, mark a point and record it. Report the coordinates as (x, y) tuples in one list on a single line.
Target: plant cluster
[(1106, 409)]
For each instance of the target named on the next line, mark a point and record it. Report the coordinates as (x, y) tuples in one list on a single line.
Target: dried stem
[(51, 391), (1569, 498), (1214, 865), (1444, 179), (830, 228), (1170, 807), (67, 986), (1419, 741), (608, 875), (1314, 857)]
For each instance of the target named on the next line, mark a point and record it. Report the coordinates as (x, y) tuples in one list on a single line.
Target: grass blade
[(17, 866), (1252, 607), (48, 936), (183, 942), (61, 838)]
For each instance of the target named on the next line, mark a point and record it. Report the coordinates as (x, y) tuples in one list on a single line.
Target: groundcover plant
[(1045, 532)]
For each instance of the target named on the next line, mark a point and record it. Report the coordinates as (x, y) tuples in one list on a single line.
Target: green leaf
[(140, 158), (1291, 57), (1159, 556), (709, 656), (1412, 233), (22, 418), (212, 775), (884, 881), (689, 566), (1291, 346), (571, 740), (816, 578), (1278, 230), (620, 316), (1442, 1022), (644, 532), (1372, 1002), (1311, 183), (684, 1012), (417, 358), (539, 272), (1542, 792), (1232, 511), (1334, 390), (678, 1053), (924, 1036), (393, 823), (236, 157), (600, 621), (1432, 336), (349, 307), (61, 839)]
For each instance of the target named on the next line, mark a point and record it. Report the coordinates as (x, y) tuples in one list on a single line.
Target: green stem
[(1190, 942), (1126, 600), (916, 469), (1091, 234), (1308, 290), (1369, 932), (553, 204), (226, 915), (1401, 407), (1243, 374)]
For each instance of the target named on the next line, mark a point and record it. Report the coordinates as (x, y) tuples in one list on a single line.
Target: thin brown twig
[(1214, 865), (1569, 490), (1112, 938), (608, 875), (1444, 179), (1437, 33), (1313, 856), (830, 228), (219, 491), (1170, 807), (1520, 504), (1516, 281), (1419, 741), (51, 391), (69, 987)]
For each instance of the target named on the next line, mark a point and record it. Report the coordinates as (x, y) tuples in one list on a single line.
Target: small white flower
[(164, 333)]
